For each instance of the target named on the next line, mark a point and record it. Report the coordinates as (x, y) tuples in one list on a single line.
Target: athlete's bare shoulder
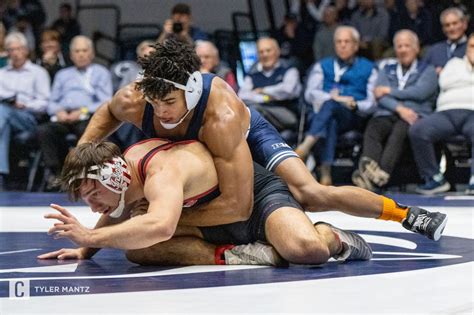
[(224, 106), (128, 104)]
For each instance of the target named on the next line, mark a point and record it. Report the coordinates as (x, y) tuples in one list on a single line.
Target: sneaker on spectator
[(372, 171), (361, 181), (429, 224), (470, 189), (435, 185)]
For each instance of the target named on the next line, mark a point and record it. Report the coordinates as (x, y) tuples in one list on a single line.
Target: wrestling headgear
[(115, 176), (192, 93)]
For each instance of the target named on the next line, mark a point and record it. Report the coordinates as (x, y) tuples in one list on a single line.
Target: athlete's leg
[(178, 251), (185, 248), (295, 238), (315, 197)]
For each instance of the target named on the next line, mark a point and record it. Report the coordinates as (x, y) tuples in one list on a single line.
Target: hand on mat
[(69, 227), (64, 253)]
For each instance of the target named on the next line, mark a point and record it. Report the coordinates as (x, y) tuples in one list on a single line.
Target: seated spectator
[(405, 91), (372, 22), (454, 115), (323, 41), (181, 25), (51, 58), (24, 94), (67, 26), (454, 23), (76, 93), (340, 90), (3, 51), (211, 63), (125, 72), (272, 86)]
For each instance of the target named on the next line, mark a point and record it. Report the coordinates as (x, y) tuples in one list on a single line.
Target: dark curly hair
[(171, 60), (80, 159)]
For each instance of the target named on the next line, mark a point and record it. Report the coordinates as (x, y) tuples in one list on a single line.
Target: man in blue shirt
[(24, 94), (454, 23), (340, 90), (76, 93)]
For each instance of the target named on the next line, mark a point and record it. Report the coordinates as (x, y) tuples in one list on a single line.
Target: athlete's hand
[(64, 253), (69, 227)]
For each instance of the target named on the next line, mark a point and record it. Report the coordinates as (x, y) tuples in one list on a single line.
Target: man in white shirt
[(272, 86), (20, 104)]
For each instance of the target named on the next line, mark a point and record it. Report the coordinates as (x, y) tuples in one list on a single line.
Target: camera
[(177, 27)]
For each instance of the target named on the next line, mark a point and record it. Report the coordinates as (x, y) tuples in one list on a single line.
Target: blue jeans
[(12, 121), (332, 120), (438, 127)]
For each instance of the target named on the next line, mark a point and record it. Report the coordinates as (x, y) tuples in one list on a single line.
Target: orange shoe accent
[(392, 212)]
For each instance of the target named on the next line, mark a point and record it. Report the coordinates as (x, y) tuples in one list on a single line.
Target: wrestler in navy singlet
[(266, 145), (270, 194)]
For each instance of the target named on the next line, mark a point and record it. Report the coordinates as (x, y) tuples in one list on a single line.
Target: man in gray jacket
[(405, 91)]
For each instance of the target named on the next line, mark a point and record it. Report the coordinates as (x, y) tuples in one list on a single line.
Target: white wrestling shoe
[(254, 254), (354, 246)]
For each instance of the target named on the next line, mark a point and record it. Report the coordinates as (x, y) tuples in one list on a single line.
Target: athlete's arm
[(125, 106), (223, 135)]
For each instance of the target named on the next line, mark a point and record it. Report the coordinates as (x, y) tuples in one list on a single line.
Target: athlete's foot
[(429, 224), (254, 254), (354, 247)]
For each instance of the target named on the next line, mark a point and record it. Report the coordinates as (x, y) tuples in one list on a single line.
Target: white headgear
[(192, 93), (115, 176)]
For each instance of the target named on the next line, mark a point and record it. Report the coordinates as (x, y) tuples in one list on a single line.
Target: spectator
[(454, 115), (181, 25), (372, 22), (405, 91), (51, 58), (3, 51), (454, 23), (67, 26), (323, 41), (19, 103), (340, 90), (76, 93), (272, 86), (210, 62), (309, 11)]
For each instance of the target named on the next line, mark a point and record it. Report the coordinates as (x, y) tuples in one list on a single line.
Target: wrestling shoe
[(354, 246), (429, 224), (253, 254)]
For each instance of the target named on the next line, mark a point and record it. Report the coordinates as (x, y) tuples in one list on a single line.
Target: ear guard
[(192, 90)]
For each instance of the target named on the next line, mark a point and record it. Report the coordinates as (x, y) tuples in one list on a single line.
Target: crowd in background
[(398, 71)]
